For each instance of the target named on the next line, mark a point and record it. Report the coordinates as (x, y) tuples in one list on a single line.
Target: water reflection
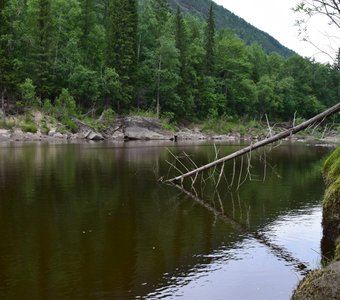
[(91, 221)]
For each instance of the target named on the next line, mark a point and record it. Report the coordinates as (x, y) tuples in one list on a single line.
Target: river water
[(91, 221)]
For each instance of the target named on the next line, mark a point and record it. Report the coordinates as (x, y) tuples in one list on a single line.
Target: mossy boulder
[(331, 203), (332, 167), (337, 251), (325, 283), (320, 284)]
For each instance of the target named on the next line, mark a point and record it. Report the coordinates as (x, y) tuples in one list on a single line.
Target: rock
[(18, 135), (138, 133), (144, 128), (118, 135), (58, 135), (31, 136), (4, 134), (320, 284), (38, 116), (94, 136), (190, 135), (331, 202), (52, 132), (77, 136)]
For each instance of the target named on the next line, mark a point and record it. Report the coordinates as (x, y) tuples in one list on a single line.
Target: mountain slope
[(226, 19)]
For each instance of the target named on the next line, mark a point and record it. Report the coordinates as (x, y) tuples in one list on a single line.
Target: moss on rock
[(331, 203), (337, 251), (320, 284), (332, 167), (325, 283)]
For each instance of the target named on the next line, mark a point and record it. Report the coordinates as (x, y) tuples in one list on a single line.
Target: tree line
[(130, 54)]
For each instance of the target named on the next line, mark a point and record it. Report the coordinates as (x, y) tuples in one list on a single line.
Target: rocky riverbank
[(48, 129), (127, 128)]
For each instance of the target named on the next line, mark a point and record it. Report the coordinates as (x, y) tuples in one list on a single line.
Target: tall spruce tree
[(88, 21), (162, 10), (122, 47), (337, 61), (210, 43), (42, 62), (182, 42), (4, 59), (7, 74)]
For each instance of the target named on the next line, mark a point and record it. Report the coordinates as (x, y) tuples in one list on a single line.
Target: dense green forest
[(128, 55)]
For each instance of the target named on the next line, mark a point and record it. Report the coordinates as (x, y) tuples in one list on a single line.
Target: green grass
[(169, 126), (7, 124), (142, 113), (225, 125), (29, 127)]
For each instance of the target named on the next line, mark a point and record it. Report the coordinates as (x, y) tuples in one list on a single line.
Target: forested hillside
[(77, 55), (226, 19)]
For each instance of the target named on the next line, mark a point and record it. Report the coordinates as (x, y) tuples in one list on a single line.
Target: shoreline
[(17, 135), (146, 129)]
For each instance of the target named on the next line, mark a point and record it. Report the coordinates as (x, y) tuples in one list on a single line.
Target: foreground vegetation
[(90, 56), (331, 204)]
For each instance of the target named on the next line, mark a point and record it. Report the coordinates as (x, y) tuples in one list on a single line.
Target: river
[(91, 221)]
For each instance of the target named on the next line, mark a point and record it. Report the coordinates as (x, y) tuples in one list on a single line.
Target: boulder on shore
[(94, 136), (144, 128), (320, 284)]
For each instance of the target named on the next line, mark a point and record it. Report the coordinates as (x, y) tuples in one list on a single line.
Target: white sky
[(276, 18)]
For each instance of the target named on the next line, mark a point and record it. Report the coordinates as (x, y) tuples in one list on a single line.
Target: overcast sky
[(277, 18)]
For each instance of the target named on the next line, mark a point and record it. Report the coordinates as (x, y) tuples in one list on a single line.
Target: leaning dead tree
[(277, 137)]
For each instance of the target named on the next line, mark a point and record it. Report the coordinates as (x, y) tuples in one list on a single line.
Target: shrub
[(108, 117), (168, 121), (65, 103), (44, 128), (47, 106), (7, 124), (70, 125), (29, 127), (28, 95)]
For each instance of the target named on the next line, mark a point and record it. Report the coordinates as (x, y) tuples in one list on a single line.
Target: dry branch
[(313, 121)]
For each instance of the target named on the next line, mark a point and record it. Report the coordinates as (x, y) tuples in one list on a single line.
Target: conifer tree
[(162, 10), (42, 49), (210, 43), (88, 21), (122, 47), (337, 61), (4, 32), (7, 74), (3, 52), (181, 39), (181, 42)]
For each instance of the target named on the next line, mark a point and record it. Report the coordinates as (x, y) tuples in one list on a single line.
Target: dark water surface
[(90, 221)]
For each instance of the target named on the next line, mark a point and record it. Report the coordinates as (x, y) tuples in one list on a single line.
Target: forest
[(129, 55)]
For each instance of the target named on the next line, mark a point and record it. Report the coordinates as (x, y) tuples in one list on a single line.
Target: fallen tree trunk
[(313, 121)]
